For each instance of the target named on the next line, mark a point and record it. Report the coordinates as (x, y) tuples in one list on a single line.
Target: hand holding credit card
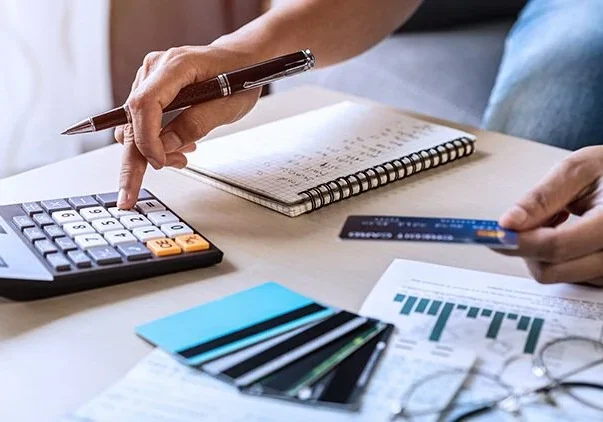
[(423, 229)]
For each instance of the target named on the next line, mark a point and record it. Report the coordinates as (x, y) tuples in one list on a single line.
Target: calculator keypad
[(80, 202), (66, 216), (164, 247), (55, 205), (106, 225), (91, 240), (78, 228), (176, 229), (118, 237), (43, 219), (133, 221), (149, 206), (144, 234), (94, 213), (81, 231)]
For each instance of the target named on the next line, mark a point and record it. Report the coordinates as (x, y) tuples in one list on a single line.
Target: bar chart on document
[(442, 311), (498, 316)]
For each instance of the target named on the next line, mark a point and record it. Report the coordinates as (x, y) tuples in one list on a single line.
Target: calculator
[(59, 246)]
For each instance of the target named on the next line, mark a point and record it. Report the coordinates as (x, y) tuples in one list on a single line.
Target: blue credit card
[(421, 229), (205, 332)]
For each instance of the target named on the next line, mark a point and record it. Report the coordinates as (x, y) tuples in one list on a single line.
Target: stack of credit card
[(422, 229), (271, 341)]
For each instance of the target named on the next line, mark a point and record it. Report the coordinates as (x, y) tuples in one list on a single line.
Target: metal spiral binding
[(399, 168)]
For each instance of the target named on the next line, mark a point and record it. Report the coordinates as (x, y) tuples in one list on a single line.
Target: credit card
[(420, 229), (271, 360), (344, 386), (341, 387), (229, 324), (219, 365), (294, 378)]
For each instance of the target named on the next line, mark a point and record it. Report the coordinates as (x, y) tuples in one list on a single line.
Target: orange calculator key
[(163, 247), (191, 242)]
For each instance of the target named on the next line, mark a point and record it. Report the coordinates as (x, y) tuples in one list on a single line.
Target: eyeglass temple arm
[(463, 415)]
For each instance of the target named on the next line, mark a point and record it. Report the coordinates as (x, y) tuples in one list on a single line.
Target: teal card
[(223, 326)]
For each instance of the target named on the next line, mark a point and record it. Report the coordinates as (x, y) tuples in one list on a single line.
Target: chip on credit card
[(423, 229)]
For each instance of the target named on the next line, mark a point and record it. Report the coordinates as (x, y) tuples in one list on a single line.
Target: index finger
[(133, 166)]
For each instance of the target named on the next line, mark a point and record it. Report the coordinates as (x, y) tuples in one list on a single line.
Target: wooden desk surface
[(56, 354)]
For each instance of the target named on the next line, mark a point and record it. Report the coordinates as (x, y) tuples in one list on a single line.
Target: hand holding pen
[(208, 81)]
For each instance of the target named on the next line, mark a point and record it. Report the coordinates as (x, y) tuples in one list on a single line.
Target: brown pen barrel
[(249, 77), (265, 70), (196, 93), (192, 94)]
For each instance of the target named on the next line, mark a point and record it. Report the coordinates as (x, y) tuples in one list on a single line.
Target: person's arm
[(334, 30)]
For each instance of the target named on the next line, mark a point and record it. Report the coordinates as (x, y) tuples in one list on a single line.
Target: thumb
[(552, 195)]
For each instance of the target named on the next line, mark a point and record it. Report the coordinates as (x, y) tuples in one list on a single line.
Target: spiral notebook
[(305, 162)]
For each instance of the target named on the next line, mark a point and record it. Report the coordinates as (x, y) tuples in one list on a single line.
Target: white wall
[(54, 71)]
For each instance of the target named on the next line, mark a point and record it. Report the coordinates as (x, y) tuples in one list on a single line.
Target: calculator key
[(176, 229), (149, 205), (94, 213), (58, 262), (191, 242), (144, 194), (67, 216), (134, 251), (107, 199), (45, 246), (163, 247), (80, 259), (144, 234), (78, 228), (43, 219), (162, 217), (79, 202), (118, 213), (119, 237), (106, 225), (104, 255), (31, 208), (92, 240), (34, 234), (133, 221), (65, 244), (23, 222), (55, 205), (54, 231)]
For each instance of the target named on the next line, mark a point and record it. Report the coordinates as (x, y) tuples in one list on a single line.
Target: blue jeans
[(550, 83)]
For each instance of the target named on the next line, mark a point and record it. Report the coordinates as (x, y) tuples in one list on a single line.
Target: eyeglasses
[(565, 375)]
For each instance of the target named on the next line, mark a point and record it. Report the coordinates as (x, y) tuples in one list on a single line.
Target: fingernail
[(155, 164), (122, 199), (171, 141), (515, 217)]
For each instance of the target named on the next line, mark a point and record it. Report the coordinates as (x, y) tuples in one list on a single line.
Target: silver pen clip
[(307, 64)]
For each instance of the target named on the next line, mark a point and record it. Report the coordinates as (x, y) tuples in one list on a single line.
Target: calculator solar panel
[(59, 246)]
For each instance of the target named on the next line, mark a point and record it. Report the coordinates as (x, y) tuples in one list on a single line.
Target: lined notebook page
[(281, 159)]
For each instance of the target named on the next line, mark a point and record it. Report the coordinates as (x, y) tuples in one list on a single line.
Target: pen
[(223, 85)]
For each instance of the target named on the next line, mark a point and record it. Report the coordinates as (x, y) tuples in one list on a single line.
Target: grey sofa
[(443, 63)]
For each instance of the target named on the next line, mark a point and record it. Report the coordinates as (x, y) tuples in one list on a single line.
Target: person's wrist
[(257, 45)]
